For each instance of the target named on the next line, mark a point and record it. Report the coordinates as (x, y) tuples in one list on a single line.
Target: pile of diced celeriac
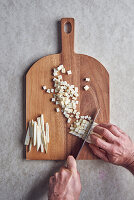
[(38, 134), (65, 97)]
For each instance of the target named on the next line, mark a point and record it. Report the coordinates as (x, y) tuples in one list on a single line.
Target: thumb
[(71, 164)]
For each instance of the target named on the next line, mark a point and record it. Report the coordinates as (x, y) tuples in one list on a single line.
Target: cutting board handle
[(67, 36)]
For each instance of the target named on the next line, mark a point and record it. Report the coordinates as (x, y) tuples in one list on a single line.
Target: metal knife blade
[(90, 129)]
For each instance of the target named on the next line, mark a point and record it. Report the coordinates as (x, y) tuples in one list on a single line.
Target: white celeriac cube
[(63, 70), (57, 110), (87, 79), (69, 72), (53, 99), (60, 67), (86, 87), (48, 90), (44, 87)]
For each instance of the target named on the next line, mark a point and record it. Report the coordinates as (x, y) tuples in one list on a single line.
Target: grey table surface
[(28, 31)]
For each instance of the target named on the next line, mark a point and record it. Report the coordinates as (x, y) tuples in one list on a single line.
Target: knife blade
[(90, 129)]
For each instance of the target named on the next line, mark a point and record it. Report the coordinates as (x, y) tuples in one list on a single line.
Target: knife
[(90, 129)]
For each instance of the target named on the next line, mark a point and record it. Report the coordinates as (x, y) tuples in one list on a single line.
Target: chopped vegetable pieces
[(57, 110), (37, 135), (44, 87), (87, 79), (86, 87), (69, 72), (66, 96)]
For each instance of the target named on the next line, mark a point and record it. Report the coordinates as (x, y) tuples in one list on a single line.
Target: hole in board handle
[(67, 27)]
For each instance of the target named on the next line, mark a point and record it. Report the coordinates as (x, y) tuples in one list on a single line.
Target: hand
[(116, 148), (65, 184)]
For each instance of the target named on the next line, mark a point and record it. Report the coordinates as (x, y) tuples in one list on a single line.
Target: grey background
[(29, 31)]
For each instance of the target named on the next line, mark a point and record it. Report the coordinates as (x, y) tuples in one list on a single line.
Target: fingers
[(112, 128), (120, 130), (71, 164), (101, 143), (98, 152), (103, 131), (56, 175), (64, 175), (51, 180), (64, 170)]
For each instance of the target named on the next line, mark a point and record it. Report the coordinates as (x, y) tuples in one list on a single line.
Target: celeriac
[(69, 72), (36, 134), (86, 87), (87, 79)]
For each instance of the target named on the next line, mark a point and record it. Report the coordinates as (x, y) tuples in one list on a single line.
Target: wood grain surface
[(38, 101)]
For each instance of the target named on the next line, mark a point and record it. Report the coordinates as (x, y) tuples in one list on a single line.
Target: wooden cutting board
[(38, 101)]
